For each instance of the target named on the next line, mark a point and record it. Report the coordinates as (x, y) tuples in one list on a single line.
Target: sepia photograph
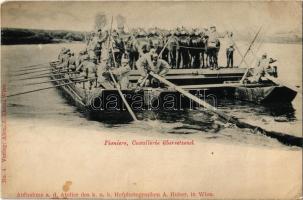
[(151, 100)]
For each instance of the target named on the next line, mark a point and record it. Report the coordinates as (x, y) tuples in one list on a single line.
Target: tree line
[(35, 36)]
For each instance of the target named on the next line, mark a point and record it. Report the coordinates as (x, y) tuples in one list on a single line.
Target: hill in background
[(35, 36)]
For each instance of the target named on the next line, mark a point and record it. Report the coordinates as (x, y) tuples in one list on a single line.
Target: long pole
[(44, 75), (249, 48), (33, 72), (30, 66), (45, 88), (114, 80), (285, 138), (48, 81), (32, 69)]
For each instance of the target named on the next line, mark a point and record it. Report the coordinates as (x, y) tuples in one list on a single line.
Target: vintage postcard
[(151, 100)]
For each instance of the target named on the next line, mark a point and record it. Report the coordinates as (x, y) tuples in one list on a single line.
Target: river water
[(48, 106)]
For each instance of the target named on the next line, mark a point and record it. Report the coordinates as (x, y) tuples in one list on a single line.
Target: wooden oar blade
[(45, 88)]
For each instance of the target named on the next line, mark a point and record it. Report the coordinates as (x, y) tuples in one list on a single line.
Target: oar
[(34, 68), (32, 72), (139, 87), (48, 81), (47, 75), (45, 88), (249, 48), (243, 56), (29, 66), (285, 138), (57, 70), (236, 46), (115, 82)]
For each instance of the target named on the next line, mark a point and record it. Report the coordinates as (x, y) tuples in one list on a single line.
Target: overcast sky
[(275, 16)]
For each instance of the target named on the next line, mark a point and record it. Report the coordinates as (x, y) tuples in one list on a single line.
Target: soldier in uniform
[(63, 62), (95, 45), (62, 52), (71, 65), (183, 52), (172, 47), (120, 74), (80, 57), (195, 48), (88, 70), (151, 62), (262, 68), (213, 46), (118, 47), (230, 50)]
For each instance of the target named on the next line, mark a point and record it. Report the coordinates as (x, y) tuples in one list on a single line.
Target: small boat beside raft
[(209, 85)]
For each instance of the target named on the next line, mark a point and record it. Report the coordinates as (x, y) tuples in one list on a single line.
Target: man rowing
[(88, 70), (63, 58), (151, 62), (262, 69)]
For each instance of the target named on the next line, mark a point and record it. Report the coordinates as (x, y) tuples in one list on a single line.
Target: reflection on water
[(50, 106)]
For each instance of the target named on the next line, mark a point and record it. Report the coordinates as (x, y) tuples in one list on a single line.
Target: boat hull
[(103, 103), (265, 95)]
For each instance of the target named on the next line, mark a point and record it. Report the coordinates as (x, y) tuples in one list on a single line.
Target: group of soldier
[(180, 47), (101, 62), (114, 54)]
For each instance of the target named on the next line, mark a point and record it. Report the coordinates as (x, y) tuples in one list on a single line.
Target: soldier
[(196, 46), (213, 47), (62, 52), (71, 64), (230, 50), (172, 47), (95, 45), (88, 70), (79, 59), (118, 47), (183, 52), (121, 74), (262, 68), (142, 41), (64, 57), (264, 62), (151, 62)]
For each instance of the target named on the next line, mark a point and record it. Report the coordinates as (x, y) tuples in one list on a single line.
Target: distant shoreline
[(16, 36), (79, 42), (61, 42), (19, 36)]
